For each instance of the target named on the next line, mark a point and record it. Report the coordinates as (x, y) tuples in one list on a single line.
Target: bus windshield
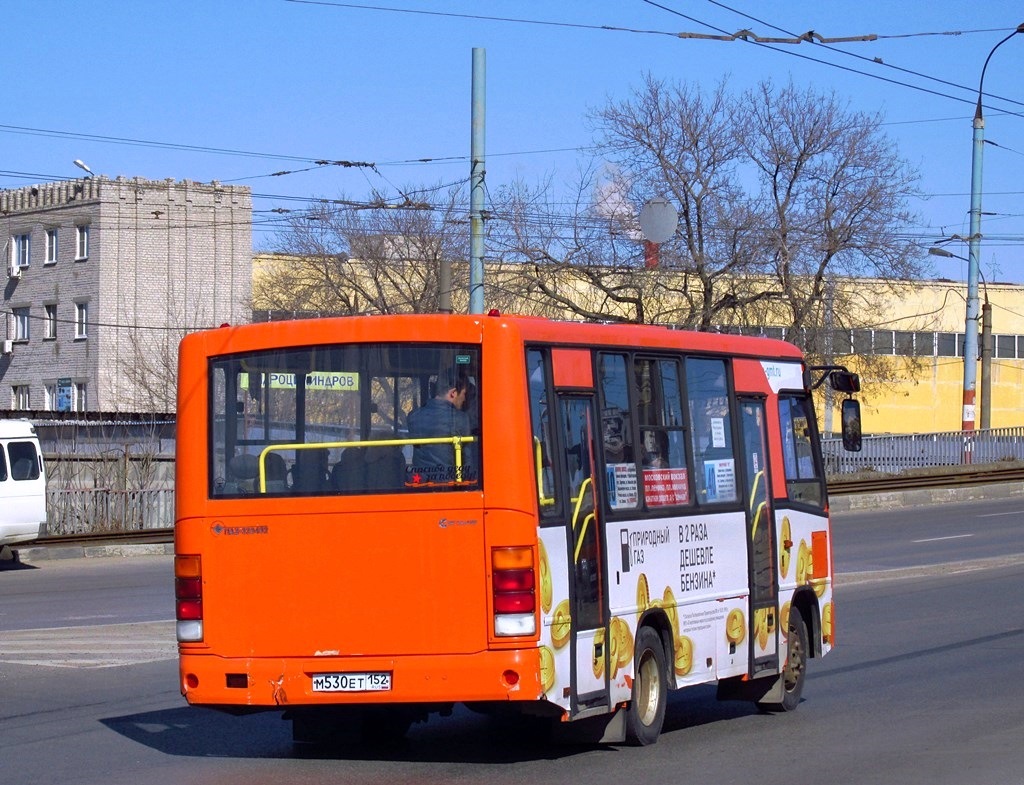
[(345, 419)]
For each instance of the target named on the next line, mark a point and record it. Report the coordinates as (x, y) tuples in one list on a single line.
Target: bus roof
[(470, 328)]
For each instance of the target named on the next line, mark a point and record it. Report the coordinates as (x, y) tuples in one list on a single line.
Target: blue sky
[(246, 88)]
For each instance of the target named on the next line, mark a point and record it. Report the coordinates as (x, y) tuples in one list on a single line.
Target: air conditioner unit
[(14, 271), (8, 347)]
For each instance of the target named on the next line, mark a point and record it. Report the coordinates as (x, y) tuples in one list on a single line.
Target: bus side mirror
[(851, 425), (844, 381)]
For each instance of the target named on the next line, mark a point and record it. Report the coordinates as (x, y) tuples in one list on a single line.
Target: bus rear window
[(345, 419)]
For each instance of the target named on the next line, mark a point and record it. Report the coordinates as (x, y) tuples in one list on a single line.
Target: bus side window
[(713, 452), (540, 424), (617, 433), (3, 465), (665, 474), (804, 481)]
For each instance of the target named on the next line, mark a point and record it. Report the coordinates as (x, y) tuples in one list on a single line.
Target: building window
[(20, 397), (21, 323), (904, 343), (924, 344), (49, 397), (81, 242), (50, 322), (946, 345), (882, 342), (1006, 346), (862, 342), (20, 250), (842, 342), (51, 246), (81, 320), (80, 403)]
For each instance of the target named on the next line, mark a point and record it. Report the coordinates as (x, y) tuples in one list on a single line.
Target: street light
[(986, 341), (971, 322), (81, 165)]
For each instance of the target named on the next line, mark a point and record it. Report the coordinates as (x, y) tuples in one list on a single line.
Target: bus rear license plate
[(352, 682)]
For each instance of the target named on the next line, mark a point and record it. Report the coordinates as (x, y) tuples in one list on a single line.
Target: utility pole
[(476, 186), (974, 256), (986, 341), (986, 364)]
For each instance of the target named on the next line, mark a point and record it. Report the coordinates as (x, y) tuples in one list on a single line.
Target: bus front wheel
[(646, 712), (795, 670)]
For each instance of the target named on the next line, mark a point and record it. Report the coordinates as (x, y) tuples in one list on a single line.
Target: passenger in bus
[(442, 416)]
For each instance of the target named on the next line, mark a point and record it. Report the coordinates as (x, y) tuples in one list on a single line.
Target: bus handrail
[(579, 502), (579, 539), (538, 459), (455, 441)]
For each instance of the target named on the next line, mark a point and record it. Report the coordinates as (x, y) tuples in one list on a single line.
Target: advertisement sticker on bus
[(783, 376)]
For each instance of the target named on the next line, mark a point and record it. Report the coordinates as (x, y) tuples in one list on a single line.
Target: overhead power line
[(16, 129), (874, 60), (791, 53)]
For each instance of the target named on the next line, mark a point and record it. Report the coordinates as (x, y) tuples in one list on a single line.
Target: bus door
[(589, 639), (764, 585)]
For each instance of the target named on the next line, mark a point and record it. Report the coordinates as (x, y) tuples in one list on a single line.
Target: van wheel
[(646, 712), (795, 671)]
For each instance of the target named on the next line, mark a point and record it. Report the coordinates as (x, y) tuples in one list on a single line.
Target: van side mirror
[(851, 425)]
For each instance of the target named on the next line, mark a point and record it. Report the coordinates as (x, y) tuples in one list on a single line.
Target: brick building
[(102, 279)]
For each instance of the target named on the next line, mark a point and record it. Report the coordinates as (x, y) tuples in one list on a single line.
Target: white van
[(22, 483)]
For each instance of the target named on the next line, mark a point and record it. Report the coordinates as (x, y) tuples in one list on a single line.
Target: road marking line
[(998, 514), (952, 537), (98, 646)]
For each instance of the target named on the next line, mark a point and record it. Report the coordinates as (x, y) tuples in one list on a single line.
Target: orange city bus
[(622, 510)]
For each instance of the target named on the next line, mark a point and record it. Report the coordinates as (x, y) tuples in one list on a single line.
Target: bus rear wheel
[(646, 712)]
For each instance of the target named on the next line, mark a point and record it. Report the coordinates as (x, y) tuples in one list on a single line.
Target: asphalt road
[(924, 687)]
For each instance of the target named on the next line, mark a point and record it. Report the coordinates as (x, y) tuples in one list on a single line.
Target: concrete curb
[(39, 553), (923, 497)]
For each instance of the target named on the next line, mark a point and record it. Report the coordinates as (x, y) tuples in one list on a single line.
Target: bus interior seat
[(369, 469), (309, 473), (242, 471), (276, 472), (349, 473), (385, 468)]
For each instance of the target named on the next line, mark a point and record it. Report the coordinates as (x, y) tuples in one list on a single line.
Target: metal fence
[(100, 510), (894, 454)]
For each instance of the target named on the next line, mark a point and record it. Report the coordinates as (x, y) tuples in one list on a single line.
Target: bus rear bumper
[(210, 680)]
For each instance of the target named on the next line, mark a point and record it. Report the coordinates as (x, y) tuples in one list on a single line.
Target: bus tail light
[(188, 596), (513, 583)]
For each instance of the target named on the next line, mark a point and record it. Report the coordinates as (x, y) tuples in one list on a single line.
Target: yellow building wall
[(926, 394), (899, 395)]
